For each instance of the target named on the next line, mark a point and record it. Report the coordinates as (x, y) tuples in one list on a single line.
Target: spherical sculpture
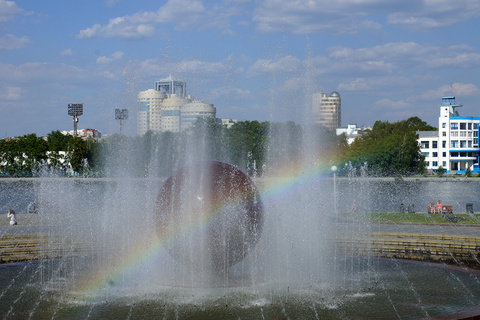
[(210, 215)]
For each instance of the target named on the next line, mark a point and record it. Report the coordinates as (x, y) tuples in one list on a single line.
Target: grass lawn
[(414, 217)]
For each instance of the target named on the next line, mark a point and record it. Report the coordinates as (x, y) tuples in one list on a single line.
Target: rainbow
[(150, 247)]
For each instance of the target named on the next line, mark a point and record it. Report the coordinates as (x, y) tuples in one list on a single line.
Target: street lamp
[(75, 110), (334, 170), (121, 115)]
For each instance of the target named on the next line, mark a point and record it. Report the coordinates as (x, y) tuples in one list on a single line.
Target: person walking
[(12, 216)]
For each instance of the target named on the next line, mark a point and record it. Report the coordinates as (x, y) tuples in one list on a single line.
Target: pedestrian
[(432, 207), (12, 216), (439, 206)]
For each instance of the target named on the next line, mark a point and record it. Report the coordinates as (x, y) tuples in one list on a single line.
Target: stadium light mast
[(75, 110), (121, 115)]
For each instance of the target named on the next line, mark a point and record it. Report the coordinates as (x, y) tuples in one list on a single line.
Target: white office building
[(194, 110), (454, 147), (167, 107), (351, 132)]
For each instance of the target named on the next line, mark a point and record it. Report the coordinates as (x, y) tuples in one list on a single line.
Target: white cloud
[(10, 42), (392, 105), (398, 57), (183, 14), (430, 14), (230, 92), (110, 3), (9, 11), (305, 16), (393, 109), (358, 84), (118, 28), (285, 64), (10, 93), (199, 67), (115, 56), (352, 16), (66, 53), (48, 73), (184, 69), (455, 89)]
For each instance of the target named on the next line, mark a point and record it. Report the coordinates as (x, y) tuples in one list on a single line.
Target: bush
[(440, 171)]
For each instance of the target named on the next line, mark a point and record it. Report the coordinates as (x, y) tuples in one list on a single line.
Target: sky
[(254, 60)]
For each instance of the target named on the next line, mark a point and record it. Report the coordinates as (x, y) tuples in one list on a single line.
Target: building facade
[(326, 109), (455, 146), (351, 132), (167, 107)]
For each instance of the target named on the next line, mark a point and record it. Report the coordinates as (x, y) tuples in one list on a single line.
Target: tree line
[(29, 155), (252, 146)]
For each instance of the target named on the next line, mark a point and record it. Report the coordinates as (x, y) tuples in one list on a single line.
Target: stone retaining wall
[(452, 249)]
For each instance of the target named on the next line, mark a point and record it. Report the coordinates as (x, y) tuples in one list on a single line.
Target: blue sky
[(254, 60)]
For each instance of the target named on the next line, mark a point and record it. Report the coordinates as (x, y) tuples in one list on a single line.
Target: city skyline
[(251, 60)]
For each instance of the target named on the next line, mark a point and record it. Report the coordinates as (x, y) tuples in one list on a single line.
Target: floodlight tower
[(75, 110), (121, 115)]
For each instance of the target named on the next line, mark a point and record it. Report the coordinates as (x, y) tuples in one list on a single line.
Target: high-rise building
[(194, 110), (455, 146), (326, 109), (167, 107), (149, 112)]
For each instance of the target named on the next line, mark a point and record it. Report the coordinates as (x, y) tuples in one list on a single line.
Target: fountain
[(210, 242), (215, 197)]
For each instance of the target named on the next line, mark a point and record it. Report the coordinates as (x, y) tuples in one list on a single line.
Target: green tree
[(78, 152), (58, 141), (247, 141), (389, 148)]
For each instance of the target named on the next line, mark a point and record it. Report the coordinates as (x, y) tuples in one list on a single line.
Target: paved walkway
[(443, 229)]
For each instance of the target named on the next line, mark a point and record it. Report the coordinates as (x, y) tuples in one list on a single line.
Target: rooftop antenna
[(75, 110), (121, 115)]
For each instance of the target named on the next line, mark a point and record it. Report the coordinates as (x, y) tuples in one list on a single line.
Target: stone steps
[(425, 247), (35, 247)]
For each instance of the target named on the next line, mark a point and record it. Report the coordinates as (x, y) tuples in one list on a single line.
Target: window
[(444, 154), (453, 133), (434, 163), (444, 144), (444, 125), (454, 154), (425, 154), (463, 126), (469, 126), (475, 126), (425, 144), (469, 143), (434, 144), (444, 134), (454, 126), (463, 133), (454, 144), (444, 164), (434, 154)]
